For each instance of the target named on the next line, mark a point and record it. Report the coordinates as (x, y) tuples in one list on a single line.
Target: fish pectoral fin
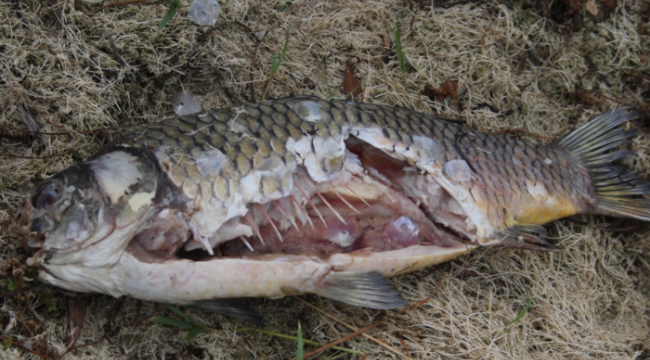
[(366, 289), (233, 307), (526, 237)]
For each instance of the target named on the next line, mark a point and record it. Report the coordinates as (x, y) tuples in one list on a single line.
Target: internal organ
[(390, 222)]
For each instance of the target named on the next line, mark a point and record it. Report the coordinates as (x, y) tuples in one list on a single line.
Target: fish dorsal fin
[(366, 289)]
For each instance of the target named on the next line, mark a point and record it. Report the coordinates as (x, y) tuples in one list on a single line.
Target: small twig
[(637, 98), (406, 349), (72, 148), (369, 337), (21, 345), (25, 99), (360, 332), (539, 69), (116, 54), (343, 339), (125, 2)]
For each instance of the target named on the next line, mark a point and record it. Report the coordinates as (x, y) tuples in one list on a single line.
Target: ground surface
[(83, 72)]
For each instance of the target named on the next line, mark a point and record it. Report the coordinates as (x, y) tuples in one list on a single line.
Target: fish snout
[(32, 218), (46, 194)]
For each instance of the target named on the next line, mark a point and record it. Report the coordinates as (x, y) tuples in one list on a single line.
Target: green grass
[(194, 328), (301, 344), (173, 6), (276, 62), (519, 316)]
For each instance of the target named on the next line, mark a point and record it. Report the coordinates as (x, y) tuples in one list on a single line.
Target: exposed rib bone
[(248, 245), (268, 218), (293, 198), (390, 197), (201, 238), (284, 211), (255, 229), (347, 203), (324, 200), (356, 194), (310, 203)]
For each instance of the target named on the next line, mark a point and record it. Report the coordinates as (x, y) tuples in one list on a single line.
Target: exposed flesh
[(376, 204)]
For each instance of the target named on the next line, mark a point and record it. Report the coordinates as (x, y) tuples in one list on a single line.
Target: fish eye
[(46, 196)]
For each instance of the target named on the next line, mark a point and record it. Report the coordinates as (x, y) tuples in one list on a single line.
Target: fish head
[(87, 214), (63, 211)]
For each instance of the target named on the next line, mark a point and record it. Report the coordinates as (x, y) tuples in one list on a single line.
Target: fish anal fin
[(233, 307), (365, 289), (526, 237)]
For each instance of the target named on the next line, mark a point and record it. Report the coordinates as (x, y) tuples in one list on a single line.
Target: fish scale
[(253, 133)]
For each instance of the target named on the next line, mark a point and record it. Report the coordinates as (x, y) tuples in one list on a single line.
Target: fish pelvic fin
[(619, 191), (366, 289)]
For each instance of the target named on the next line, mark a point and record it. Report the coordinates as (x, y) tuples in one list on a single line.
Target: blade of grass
[(275, 63), (178, 312), (301, 345), (172, 322), (173, 6), (196, 328), (295, 338), (519, 316), (398, 49), (193, 333), (277, 60)]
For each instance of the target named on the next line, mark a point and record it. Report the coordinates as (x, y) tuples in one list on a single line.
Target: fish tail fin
[(619, 190)]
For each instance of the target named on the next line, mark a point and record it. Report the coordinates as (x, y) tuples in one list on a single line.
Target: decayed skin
[(353, 189)]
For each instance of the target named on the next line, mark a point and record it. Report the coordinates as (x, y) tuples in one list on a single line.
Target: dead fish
[(303, 195)]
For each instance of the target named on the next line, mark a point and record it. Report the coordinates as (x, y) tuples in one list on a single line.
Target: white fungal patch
[(548, 161), (308, 110), (458, 170), (407, 225), (428, 150), (343, 238), (116, 172), (537, 190), (211, 162)]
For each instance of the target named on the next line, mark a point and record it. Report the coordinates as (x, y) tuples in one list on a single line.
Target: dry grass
[(590, 300)]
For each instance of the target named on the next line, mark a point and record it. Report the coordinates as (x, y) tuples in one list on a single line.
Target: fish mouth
[(384, 205)]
